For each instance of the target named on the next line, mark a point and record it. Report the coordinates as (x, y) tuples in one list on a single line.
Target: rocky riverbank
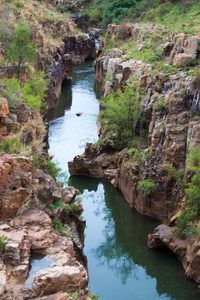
[(29, 214), (37, 214), (71, 51), (171, 120)]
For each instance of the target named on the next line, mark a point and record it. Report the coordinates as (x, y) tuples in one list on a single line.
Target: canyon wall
[(73, 50), (171, 114)]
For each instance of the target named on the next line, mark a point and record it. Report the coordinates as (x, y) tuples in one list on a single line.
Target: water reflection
[(117, 252), (68, 133), (64, 102), (121, 266), (38, 261)]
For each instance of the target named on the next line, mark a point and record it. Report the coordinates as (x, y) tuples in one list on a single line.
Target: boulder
[(69, 194), (51, 280), (48, 191), (23, 163), (167, 48), (181, 60), (4, 108), (144, 82), (12, 201), (191, 46), (193, 138), (115, 52)]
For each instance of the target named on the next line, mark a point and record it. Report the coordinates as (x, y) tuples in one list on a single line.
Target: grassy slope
[(40, 15), (170, 19)]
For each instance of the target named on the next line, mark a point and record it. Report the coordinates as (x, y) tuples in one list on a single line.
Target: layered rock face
[(168, 106), (186, 250), (34, 232), (171, 113), (26, 191), (73, 50)]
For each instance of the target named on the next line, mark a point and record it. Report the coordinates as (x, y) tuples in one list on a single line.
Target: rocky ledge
[(29, 214), (33, 232), (124, 173), (187, 251)]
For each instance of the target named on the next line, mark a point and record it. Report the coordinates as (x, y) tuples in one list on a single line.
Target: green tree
[(21, 51), (32, 92), (120, 114)]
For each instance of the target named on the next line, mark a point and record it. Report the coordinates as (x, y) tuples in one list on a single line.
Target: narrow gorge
[(99, 150)]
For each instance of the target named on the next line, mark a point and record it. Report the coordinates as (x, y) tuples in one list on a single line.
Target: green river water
[(121, 267)]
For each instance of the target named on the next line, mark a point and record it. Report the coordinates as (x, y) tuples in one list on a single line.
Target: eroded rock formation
[(186, 250), (34, 232), (171, 113), (72, 51), (26, 191)]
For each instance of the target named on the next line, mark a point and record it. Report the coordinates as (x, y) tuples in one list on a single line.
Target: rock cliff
[(73, 50), (171, 130), (37, 214), (170, 119), (29, 214)]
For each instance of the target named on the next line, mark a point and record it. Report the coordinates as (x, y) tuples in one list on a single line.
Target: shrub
[(177, 175), (21, 50), (147, 186), (120, 114), (34, 90), (190, 212), (32, 93), (184, 225), (159, 105), (61, 8), (135, 154), (57, 204), (52, 169), (18, 4), (148, 155), (70, 208), (3, 239), (196, 81), (59, 226), (11, 145)]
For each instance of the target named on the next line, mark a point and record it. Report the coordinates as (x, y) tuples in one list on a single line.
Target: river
[(121, 267)]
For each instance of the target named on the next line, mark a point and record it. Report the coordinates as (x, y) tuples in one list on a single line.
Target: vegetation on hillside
[(26, 29), (173, 13), (187, 220), (119, 116), (171, 18)]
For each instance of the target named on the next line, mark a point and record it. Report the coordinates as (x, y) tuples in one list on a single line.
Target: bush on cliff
[(32, 93), (147, 186), (191, 210), (119, 116), (52, 169), (11, 145)]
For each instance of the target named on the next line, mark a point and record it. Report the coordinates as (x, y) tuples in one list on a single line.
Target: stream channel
[(121, 267)]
